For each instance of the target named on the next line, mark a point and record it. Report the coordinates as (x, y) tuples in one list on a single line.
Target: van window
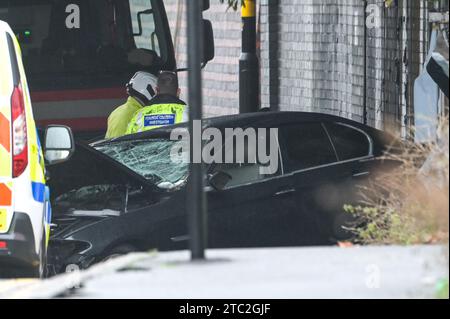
[(307, 146), (349, 142), (101, 51), (147, 38)]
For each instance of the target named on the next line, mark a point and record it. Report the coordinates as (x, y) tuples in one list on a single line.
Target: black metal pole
[(196, 200), (365, 65), (274, 48), (248, 62)]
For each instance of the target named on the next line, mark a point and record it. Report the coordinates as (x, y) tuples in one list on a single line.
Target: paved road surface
[(360, 272)]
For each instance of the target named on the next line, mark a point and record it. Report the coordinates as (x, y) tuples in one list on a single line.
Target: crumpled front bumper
[(67, 255)]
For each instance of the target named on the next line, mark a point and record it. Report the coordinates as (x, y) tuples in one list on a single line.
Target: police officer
[(140, 89), (164, 109)]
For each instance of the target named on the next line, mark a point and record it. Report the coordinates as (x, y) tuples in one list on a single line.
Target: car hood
[(90, 167)]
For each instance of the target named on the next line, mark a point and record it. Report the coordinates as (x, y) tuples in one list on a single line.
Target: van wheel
[(40, 270), (43, 259), (119, 251)]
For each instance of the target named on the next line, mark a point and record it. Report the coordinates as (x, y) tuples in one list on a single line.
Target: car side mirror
[(208, 42), (208, 45), (206, 5), (59, 144), (219, 180)]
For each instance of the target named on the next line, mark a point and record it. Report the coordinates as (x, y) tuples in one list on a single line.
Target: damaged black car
[(125, 195)]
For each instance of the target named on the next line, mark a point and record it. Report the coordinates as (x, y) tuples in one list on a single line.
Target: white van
[(25, 211)]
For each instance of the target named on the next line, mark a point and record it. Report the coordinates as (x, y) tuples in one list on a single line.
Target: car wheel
[(341, 224), (119, 251)]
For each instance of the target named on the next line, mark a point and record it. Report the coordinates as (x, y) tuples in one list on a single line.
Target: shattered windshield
[(150, 159)]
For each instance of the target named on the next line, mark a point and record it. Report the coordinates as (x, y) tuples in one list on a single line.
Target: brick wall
[(220, 77), (312, 58), (321, 54)]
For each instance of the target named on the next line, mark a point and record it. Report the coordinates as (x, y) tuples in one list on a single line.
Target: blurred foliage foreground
[(410, 205)]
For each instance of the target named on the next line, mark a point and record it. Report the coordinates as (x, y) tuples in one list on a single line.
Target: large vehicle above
[(79, 54)]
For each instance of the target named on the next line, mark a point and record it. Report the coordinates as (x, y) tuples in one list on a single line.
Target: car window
[(349, 142), (241, 174), (307, 145), (251, 169)]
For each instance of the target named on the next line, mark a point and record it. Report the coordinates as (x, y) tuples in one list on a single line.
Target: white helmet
[(142, 87)]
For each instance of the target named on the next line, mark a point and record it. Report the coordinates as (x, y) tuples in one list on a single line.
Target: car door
[(253, 210), (309, 157), (356, 165), (354, 149)]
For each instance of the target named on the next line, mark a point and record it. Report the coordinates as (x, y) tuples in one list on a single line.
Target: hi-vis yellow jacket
[(22, 170), (163, 110), (120, 117)]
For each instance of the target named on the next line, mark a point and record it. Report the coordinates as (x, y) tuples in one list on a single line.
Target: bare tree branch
[(233, 3)]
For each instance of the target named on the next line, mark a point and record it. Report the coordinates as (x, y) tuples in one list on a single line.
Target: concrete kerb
[(61, 284)]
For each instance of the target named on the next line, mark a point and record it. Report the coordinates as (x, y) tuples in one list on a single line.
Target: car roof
[(258, 119)]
